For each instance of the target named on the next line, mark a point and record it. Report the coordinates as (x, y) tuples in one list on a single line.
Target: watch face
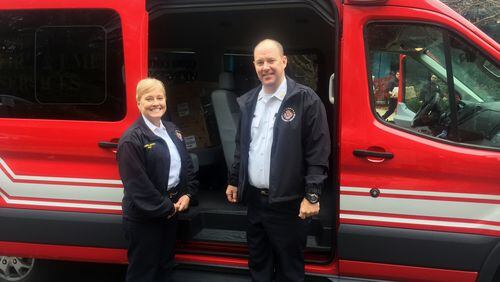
[(312, 198)]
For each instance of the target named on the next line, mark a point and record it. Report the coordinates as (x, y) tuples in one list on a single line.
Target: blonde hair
[(147, 85)]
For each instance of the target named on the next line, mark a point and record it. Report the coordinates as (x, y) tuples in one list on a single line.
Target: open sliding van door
[(417, 194), (67, 93), (203, 51)]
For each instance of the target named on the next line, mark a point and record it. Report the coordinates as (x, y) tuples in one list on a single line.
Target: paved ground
[(91, 272), (85, 272)]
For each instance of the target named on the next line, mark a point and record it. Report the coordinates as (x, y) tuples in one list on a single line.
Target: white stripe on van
[(421, 222), (421, 207), (422, 193), (57, 179), (60, 191), (60, 204)]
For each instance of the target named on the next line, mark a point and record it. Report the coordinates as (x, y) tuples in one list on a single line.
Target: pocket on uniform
[(255, 124)]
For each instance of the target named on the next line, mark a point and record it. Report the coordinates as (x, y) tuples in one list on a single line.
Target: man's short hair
[(275, 42), (147, 85)]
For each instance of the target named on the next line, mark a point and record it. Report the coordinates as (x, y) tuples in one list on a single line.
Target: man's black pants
[(276, 239), (150, 249)]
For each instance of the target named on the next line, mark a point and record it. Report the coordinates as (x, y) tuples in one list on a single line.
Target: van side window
[(61, 64), (429, 81)]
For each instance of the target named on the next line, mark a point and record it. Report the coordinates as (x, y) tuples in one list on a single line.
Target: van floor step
[(236, 236), (221, 235)]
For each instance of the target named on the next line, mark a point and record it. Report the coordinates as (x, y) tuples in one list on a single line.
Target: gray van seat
[(196, 162), (227, 114)]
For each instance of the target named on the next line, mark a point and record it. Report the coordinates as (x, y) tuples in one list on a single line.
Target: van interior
[(204, 53)]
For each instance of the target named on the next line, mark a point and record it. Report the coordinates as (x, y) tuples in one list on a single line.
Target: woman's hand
[(182, 204)]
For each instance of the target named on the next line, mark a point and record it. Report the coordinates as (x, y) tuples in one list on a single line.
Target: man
[(431, 109), (281, 162), (430, 90), (392, 91)]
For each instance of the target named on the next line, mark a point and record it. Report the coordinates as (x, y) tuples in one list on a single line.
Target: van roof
[(438, 7), (322, 6)]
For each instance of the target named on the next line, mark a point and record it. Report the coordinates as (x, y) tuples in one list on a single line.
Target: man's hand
[(183, 203), (232, 193), (307, 209)]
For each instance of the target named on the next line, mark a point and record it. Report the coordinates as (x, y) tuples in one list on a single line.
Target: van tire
[(490, 271), (23, 269), (497, 275)]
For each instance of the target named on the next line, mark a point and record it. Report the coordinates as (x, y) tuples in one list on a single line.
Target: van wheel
[(16, 269), (497, 275)]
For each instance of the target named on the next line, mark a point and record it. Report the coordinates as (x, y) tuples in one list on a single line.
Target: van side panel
[(439, 250), (56, 181), (402, 273), (59, 252), (432, 195), (58, 164)]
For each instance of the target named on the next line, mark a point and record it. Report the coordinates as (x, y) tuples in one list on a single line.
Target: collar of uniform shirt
[(152, 126), (280, 92)]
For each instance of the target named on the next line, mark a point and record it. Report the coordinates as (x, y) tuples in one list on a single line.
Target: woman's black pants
[(150, 249)]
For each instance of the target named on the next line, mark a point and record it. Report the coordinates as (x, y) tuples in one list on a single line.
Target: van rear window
[(61, 64)]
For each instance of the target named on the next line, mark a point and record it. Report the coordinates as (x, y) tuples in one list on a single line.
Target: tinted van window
[(413, 88), (61, 64)]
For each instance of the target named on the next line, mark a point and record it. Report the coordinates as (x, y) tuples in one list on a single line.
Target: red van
[(412, 196)]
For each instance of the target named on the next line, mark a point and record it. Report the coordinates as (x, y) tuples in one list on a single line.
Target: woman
[(158, 177)]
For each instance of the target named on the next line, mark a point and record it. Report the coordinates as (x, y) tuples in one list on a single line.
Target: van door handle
[(108, 145), (366, 153), (331, 86)]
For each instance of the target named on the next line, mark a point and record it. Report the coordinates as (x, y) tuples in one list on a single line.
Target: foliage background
[(485, 14)]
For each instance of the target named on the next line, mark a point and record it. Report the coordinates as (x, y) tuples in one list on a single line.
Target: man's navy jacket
[(300, 149)]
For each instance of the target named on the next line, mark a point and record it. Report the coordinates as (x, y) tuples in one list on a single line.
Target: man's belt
[(262, 191), (173, 192)]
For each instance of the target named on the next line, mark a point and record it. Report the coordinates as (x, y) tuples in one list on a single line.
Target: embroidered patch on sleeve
[(149, 146)]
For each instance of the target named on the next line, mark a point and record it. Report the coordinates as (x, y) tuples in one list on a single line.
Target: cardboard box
[(186, 111)]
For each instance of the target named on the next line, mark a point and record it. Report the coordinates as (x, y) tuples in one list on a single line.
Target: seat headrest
[(226, 81)]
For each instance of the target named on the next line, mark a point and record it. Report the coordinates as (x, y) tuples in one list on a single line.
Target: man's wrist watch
[(312, 198)]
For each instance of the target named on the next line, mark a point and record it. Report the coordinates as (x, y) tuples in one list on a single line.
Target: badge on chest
[(288, 114)]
